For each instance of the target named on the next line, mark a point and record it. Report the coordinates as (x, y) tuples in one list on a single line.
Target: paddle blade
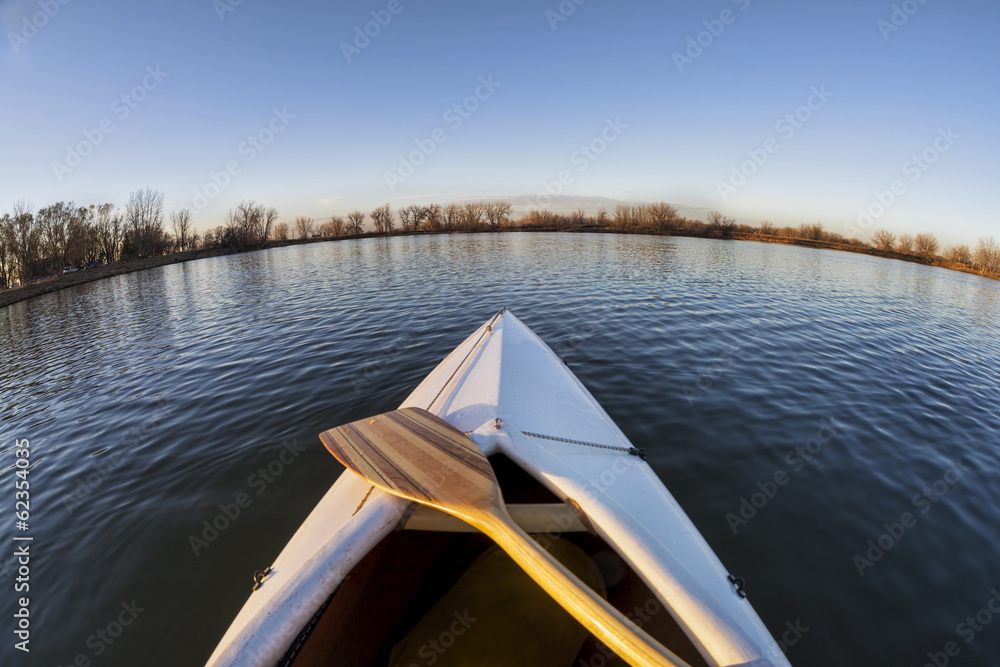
[(416, 455)]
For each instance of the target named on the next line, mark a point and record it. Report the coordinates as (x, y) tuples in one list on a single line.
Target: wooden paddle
[(415, 455)]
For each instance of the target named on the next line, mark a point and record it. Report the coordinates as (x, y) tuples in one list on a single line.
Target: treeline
[(498, 215), (985, 258), (470, 217), (663, 218), (38, 244)]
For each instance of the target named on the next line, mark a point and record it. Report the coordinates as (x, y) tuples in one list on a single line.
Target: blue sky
[(227, 72)]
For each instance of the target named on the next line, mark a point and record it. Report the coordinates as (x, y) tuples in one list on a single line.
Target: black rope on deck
[(634, 451)]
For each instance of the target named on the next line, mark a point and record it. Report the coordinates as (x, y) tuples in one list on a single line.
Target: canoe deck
[(517, 401)]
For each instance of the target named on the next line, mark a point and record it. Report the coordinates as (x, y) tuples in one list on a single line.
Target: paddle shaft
[(593, 612)]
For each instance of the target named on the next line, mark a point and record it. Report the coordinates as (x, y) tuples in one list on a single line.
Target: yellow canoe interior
[(406, 577)]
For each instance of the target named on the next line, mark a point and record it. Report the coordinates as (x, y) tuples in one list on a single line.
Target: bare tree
[(180, 222), (538, 218), (405, 219), (109, 229), (767, 228), (65, 235), (472, 216), (623, 216), (145, 235), (578, 218), (884, 239), (303, 227), (7, 260), (433, 221), (904, 244), (382, 218), (52, 222), (83, 246), (812, 231), (410, 218), (601, 218), (336, 225), (959, 254), (264, 221), (663, 215), (987, 256), (497, 213), (90, 246), (721, 223), (419, 215), (280, 231), (926, 246), (355, 222), (247, 226), (452, 216), (641, 216), (24, 241)]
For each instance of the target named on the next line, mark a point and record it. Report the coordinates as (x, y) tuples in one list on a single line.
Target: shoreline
[(18, 294)]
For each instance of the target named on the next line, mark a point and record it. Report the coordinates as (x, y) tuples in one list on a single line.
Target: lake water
[(796, 402)]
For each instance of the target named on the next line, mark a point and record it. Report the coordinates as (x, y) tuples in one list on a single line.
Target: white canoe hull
[(504, 372)]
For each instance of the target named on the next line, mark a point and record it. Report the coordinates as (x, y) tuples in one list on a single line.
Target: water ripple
[(155, 397)]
